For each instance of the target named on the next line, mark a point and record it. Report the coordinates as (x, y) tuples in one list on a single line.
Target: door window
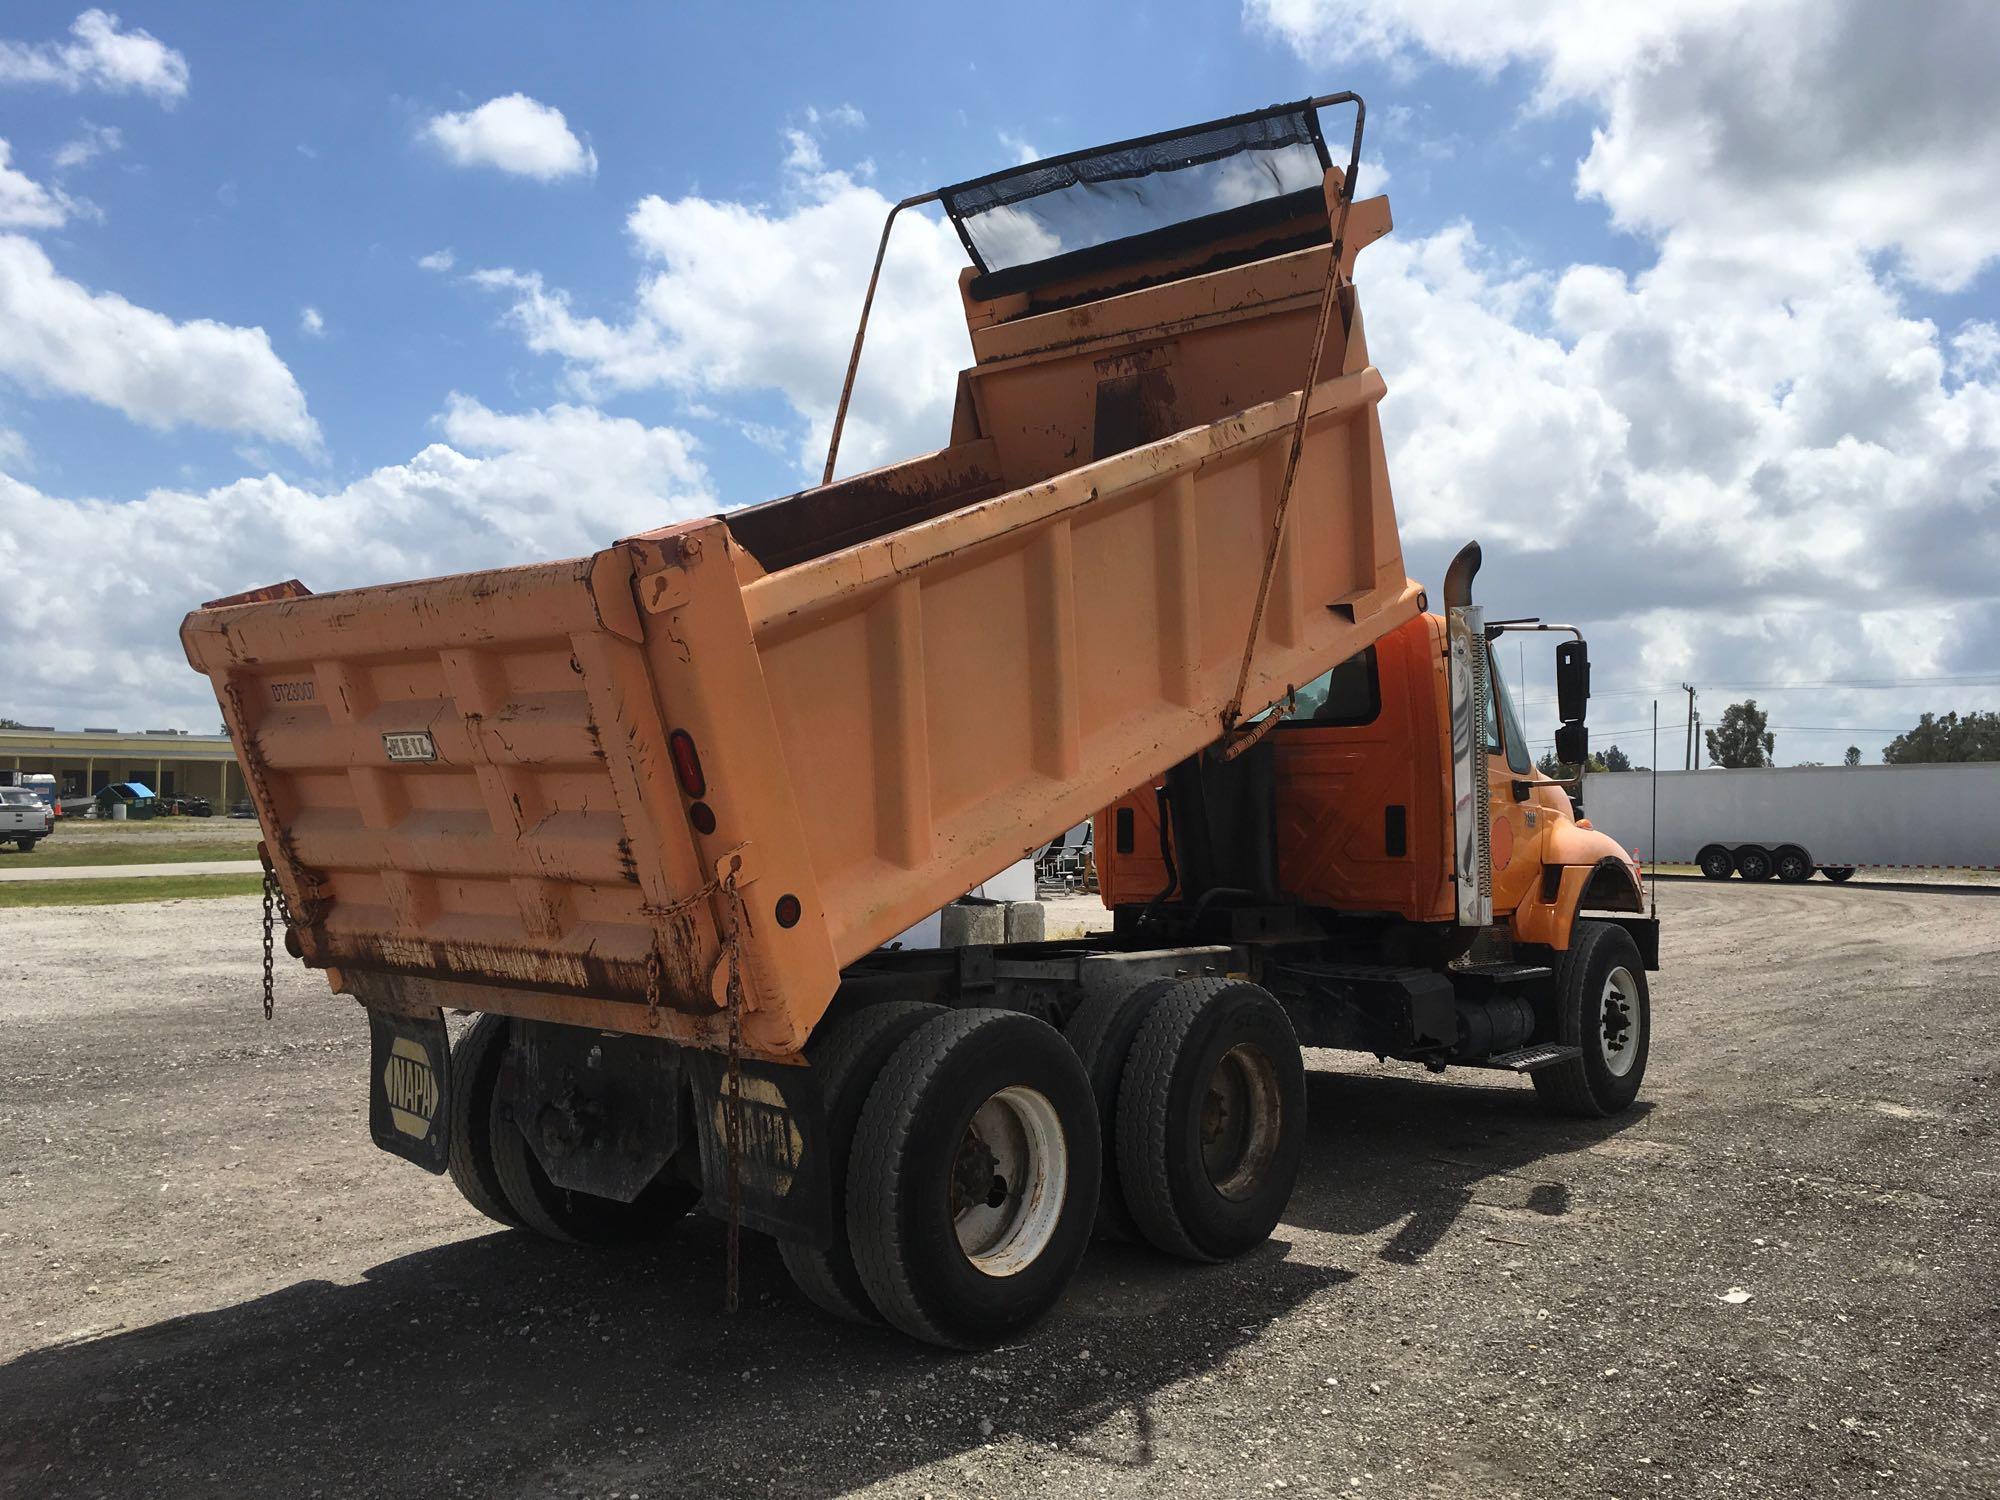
[(1345, 698)]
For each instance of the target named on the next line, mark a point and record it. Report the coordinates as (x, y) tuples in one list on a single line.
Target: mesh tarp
[(1052, 208)]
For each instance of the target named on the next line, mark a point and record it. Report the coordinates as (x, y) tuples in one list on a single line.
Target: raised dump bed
[(656, 811), (553, 791)]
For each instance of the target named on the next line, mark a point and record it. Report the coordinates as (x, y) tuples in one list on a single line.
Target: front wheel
[(1602, 1008), (1793, 865), (973, 1179), (1716, 862)]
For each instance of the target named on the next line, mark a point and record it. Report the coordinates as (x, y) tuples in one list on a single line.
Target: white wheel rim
[(1621, 1022), (1008, 1181)]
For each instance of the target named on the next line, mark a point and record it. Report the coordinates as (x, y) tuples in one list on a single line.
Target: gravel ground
[(1776, 1277)]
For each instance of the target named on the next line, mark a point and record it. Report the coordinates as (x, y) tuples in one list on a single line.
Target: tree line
[(1742, 739)]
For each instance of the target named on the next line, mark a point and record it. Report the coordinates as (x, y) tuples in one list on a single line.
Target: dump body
[(894, 685)]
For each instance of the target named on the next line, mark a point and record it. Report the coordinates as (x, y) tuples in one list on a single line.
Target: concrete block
[(969, 922), (1026, 921)]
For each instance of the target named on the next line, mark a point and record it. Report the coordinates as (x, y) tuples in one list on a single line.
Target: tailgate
[(468, 780)]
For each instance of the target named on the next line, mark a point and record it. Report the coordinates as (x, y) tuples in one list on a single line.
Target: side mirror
[(1572, 681), (1573, 745)]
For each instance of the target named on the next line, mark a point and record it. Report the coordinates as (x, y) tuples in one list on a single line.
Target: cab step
[(1540, 1055), (1504, 973)]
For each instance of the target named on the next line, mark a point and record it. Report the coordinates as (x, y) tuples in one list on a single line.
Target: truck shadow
[(1417, 1152), (505, 1365), (501, 1364)]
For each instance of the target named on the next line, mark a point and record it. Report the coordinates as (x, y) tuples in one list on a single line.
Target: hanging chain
[(270, 908), (732, 1086)]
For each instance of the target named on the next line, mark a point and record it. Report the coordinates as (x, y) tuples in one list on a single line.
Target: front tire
[(974, 1178), (1792, 865), (1754, 864), (1602, 1007), (1716, 862), (1211, 1119)]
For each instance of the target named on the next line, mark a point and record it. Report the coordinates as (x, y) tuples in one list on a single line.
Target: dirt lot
[(211, 1283)]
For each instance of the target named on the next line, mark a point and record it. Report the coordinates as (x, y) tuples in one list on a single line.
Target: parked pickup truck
[(651, 814), (25, 819)]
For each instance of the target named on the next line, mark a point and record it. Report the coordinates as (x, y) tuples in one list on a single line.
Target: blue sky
[(1694, 333), (293, 174)]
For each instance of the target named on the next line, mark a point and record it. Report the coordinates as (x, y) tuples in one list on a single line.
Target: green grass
[(139, 888), (63, 848)]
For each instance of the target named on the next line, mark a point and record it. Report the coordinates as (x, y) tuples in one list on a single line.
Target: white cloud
[(1019, 147), (25, 203), (99, 55), (92, 638), (742, 297), (1862, 127), (1750, 461), (311, 323), (844, 115), (58, 337), (437, 260), (515, 134), (91, 142)]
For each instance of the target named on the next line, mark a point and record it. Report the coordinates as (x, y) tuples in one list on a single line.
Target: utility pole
[(1697, 742), (1687, 759)]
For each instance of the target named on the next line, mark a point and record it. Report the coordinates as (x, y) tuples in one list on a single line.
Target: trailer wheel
[(1793, 865), (1101, 1032), (848, 1057), (1601, 1006), (973, 1180), (575, 1218), (1837, 872), (1754, 864), (1716, 862), (1211, 1119), (475, 1069)]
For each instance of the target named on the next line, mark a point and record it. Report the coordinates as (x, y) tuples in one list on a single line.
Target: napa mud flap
[(409, 1082), (786, 1185)]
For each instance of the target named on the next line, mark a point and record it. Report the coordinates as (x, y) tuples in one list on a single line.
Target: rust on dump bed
[(519, 790)]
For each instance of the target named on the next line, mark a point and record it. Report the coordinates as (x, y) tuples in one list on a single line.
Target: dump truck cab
[(1361, 817)]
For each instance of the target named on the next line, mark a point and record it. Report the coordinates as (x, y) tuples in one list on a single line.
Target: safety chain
[(274, 904), (732, 1086), (270, 906)]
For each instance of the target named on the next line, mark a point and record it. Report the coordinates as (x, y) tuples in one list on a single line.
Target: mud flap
[(409, 1083), (786, 1183)]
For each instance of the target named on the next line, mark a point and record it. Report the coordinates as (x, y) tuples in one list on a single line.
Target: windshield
[(15, 798), (1045, 209)]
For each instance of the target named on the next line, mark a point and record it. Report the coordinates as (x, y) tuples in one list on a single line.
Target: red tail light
[(687, 764)]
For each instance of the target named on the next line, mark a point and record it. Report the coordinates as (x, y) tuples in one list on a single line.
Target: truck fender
[(1548, 912)]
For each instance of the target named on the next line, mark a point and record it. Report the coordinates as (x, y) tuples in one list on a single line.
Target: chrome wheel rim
[(1621, 1022), (1008, 1181), (1241, 1116)]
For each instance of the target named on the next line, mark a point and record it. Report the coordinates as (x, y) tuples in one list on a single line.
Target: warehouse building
[(86, 761)]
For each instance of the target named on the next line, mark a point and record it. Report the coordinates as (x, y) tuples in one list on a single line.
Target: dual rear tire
[(981, 1147), (496, 1170)]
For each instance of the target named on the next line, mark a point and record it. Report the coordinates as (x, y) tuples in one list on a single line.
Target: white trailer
[(1788, 823)]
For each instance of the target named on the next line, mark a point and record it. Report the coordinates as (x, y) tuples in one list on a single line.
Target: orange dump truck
[(651, 815)]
